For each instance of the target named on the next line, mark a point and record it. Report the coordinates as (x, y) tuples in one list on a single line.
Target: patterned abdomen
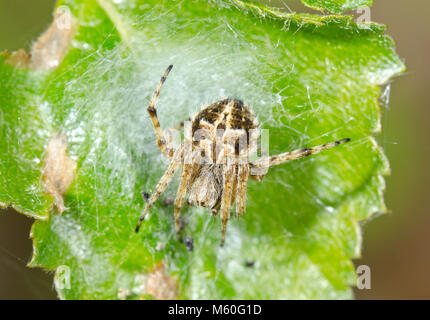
[(224, 125), (225, 114)]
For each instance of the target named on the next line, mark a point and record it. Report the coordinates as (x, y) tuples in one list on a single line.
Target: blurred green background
[(395, 246)]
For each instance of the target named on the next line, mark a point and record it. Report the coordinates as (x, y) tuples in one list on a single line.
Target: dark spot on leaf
[(48, 51), (19, 58), (160, 285), (59, 170)]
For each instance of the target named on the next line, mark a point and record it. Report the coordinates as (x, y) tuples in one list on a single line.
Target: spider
[(215, 158)]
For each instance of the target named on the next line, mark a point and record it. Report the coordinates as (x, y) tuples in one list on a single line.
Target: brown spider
[(215, 159)]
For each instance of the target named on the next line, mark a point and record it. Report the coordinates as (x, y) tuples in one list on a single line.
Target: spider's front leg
[(161, 140), (229, 174), (266, 162), (258, 169), (164, 181)]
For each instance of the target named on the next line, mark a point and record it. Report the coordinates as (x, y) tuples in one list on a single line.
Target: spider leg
[(182, 190), (162, 184), (161, 141), (242, 179), (229, 174), (215, 209), (257, 177), (296, 154)]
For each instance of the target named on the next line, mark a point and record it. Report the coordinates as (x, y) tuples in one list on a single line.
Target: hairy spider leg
[(161, 141), (242, 179), (296, 154), (182, 190), (164, 181), (229, 174)]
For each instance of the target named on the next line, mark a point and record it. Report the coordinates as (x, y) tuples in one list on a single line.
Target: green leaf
[(23, 130), (337, 6), (309, 79)]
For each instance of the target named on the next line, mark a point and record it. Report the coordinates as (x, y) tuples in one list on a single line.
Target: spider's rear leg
[(162, 184), (161, 141), (229, 175), (215, 209), (182, 190), (242, 179)]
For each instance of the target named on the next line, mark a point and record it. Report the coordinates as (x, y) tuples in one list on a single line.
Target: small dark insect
[(189, 243), (249, 264), (145, 195), (215, 158)]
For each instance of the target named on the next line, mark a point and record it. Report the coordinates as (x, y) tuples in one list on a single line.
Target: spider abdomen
[(224, 114), (223, 124), (205, 188)]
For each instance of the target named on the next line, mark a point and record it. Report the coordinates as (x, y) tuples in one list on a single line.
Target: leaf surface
[(337, 6), (309, 79)]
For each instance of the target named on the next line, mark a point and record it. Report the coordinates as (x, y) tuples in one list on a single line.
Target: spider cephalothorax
[(215, 158)]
